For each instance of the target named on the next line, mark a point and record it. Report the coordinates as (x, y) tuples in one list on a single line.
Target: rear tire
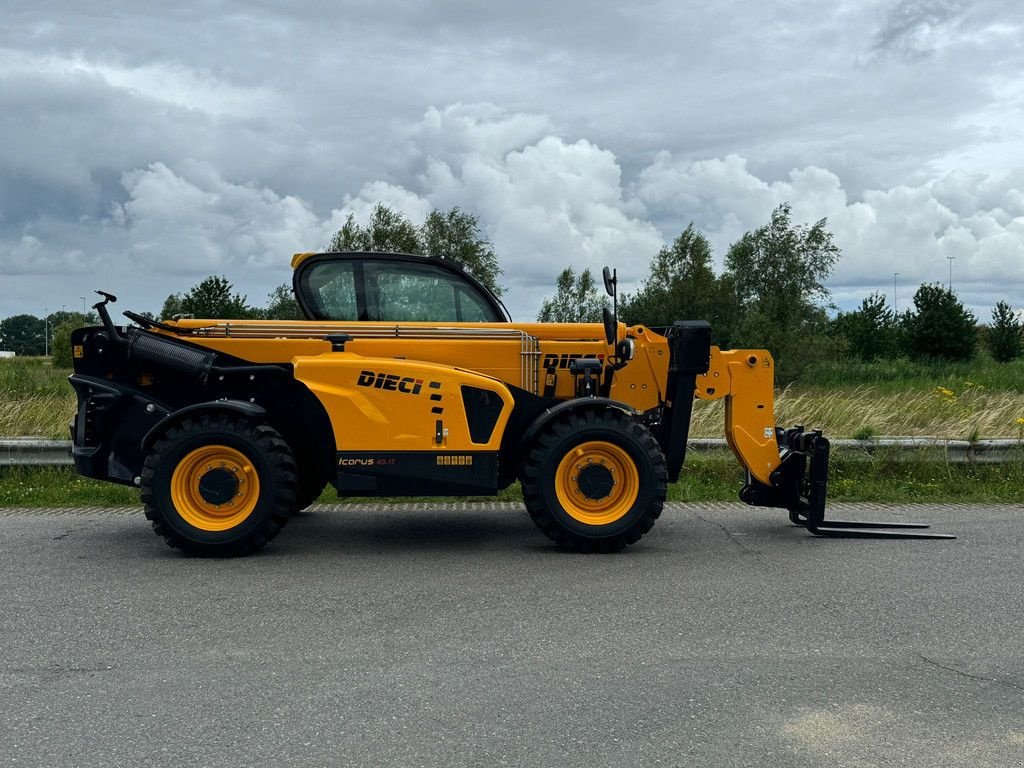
[(595, 481), (219, 485)]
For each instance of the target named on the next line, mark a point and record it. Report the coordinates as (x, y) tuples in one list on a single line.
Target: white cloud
[(475, 129), (978, 219), (29, 256), (173, 84), (544, 202), (193, 222), (409, 204)]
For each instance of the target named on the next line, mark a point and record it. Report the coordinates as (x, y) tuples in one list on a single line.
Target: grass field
[(35, 398), (894, 376)]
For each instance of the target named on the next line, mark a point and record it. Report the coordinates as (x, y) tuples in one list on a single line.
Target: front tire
[(219, 485), (595, 481)]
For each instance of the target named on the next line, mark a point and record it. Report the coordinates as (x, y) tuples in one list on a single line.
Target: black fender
[(240, 407), (576, 405)]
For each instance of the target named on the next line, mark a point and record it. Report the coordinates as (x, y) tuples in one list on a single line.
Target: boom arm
[(746, 379)]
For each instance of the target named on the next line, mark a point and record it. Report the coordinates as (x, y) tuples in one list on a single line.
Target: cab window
[(332, 288), (404, 292), (388, 291)]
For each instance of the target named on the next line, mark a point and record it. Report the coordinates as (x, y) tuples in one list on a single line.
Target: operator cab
[(390, 288)]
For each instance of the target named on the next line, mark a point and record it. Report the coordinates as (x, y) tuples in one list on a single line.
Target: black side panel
[(416, 473), (527, 409), (690, 350), (108, 428), (483, 408)]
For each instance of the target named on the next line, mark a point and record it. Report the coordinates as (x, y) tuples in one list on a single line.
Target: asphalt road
[(452, 636)]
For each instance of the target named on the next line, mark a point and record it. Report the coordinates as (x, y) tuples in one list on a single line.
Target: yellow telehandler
[(408, 378)]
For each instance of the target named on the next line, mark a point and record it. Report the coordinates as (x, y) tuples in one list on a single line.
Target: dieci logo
[(390, 381), (563, 360)]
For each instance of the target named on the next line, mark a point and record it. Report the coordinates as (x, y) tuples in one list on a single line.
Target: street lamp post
[(950, 260), (895, 311), (46, 332)]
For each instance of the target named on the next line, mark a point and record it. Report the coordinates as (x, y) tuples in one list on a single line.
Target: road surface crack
[(968, 675), (734, 539)]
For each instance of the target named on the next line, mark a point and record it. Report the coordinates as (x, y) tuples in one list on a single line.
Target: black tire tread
[(284, 482), (540, 455)]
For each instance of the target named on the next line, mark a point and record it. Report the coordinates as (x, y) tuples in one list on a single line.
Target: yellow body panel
[(383, 404), (298, 258)]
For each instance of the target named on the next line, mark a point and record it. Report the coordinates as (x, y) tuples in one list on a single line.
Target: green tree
[(775, 282), (387, 231), (940, 326), (172, 306), (576, 300), (281, 305), (869, 332), (213, 297), (452, 234), (456, 235), (62, 316), (682, 286), (1004, 335), (23, 334), (60, 346)]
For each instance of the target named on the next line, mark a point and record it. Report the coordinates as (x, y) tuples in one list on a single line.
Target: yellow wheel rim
[(597, 482), (215, 488)]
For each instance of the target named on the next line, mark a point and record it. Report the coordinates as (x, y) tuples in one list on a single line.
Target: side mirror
[(610, 282), (611, 331)]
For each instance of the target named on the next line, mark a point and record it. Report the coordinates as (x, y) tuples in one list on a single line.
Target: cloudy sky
[(145, 145)]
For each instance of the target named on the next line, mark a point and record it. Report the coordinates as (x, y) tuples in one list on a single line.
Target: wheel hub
[(595, 481), (218, 486)]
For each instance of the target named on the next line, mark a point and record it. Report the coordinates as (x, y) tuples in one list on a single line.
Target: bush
[(61, 349), (1004, 337), (60, 338), (941, 328), (869, 332)]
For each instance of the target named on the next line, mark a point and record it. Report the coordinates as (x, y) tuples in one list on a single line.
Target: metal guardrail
[(28, 451), (34, 452), (997, 451)]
